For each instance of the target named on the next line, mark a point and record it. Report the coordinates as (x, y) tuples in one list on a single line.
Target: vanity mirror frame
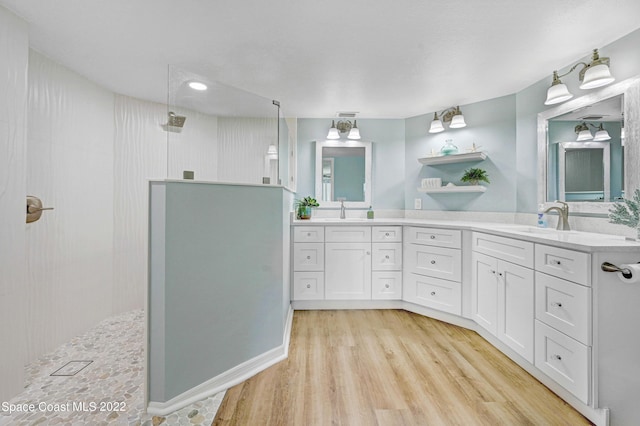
[(630, 89), (368, 146)]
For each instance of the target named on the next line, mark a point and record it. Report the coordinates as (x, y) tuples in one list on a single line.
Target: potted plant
[(303, 207), (474, 176)]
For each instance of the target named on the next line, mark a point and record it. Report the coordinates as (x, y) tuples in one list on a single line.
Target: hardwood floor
[(391, 367)]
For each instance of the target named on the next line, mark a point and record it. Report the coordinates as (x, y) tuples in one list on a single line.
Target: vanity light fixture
[(451, 115), (594, 74), (584, 134), (344, 126), (196, 85)]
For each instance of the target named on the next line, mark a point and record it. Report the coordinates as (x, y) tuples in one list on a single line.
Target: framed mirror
[(590, 174), (343, 171)]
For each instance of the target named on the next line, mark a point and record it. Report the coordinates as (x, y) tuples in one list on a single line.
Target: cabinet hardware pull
[(308, 234), (557, 304), (557, 357), (555, 262), (433, 237), (499, 274), (433, 293), (308, 285), (368, 253), (386, 286), (493, 272), (308, 257), (433, 262), (386, 234), (386, 257)]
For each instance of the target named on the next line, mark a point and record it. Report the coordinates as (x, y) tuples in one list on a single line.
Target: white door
[(516, 308), (484, 291), (347, 271)]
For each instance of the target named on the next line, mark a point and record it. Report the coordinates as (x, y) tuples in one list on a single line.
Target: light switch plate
[(417, 204)]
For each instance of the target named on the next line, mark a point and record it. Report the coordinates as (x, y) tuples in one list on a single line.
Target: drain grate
[(71, 368)]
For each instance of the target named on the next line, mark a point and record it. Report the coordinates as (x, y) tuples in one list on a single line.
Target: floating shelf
[(454, 158), (458, 189)]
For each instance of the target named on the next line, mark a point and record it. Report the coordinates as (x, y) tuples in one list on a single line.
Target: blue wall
[(491, 126), (388, 157)]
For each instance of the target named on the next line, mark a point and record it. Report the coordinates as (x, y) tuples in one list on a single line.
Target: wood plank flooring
[(391, 367)]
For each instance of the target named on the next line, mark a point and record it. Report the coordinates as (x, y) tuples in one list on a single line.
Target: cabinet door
[(347, 271), (484, 291), (515, 308)]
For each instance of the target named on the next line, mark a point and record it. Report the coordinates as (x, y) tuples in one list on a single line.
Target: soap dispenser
[(370, 213), (542, 217)]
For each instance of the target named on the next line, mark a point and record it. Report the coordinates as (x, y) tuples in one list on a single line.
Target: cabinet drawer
[(564, 306), (308, 257), (514, 251), (436, 262), (386, 234), (347, 234), (433, 293), (386, 285), (308, 286), (386, 256), (566, 264), (563, 359), (308, 234), (433, 237)]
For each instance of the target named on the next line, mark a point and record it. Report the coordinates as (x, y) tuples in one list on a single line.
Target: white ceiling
[(385, 59)]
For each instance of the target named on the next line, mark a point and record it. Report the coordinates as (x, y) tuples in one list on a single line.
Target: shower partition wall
[(224, 134)]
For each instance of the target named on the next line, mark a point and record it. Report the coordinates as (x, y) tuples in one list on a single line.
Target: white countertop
[(575, 240)]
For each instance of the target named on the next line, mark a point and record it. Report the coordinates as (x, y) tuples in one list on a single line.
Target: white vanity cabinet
[(563, 323), (503, 292), (433, 268), (386, 265), (347, 263), (308, 263)]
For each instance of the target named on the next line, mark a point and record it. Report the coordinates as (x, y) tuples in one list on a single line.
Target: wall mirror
[(343, 170), (589, 174)]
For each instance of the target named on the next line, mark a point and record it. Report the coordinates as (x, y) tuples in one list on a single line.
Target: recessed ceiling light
[(196, 85)]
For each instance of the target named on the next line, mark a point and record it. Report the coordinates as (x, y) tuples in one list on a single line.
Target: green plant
[(474, 175), (303, 207), (627, 212)]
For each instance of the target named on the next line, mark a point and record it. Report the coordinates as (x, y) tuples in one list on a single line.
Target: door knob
[(34, 208)]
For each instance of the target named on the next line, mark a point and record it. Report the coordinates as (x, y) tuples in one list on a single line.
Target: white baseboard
[(229, 378)]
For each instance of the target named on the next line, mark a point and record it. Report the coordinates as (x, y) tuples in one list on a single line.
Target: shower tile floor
[(110, 390)]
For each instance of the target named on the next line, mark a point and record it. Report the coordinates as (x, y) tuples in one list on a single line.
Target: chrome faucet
[(563, 215), (342, 208)]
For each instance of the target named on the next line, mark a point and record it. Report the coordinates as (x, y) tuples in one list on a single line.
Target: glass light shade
[(584, 135), (557, 93), (333, 132), (601, 135), (457, 122), (354, 133), (196, 85), (436, 126), (597, 76)]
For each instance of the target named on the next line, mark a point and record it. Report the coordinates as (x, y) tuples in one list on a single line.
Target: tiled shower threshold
[(108, 390)]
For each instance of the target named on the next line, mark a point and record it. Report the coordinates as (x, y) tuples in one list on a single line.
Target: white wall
[(14, 45), (70, 167), (140, 153), (242, 145)]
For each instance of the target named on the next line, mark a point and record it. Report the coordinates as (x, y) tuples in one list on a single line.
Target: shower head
[(175, 120)]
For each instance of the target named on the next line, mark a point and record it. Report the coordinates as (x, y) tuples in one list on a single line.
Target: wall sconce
[(592, 75), (584, 134), (452, 115), (344, 126)]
